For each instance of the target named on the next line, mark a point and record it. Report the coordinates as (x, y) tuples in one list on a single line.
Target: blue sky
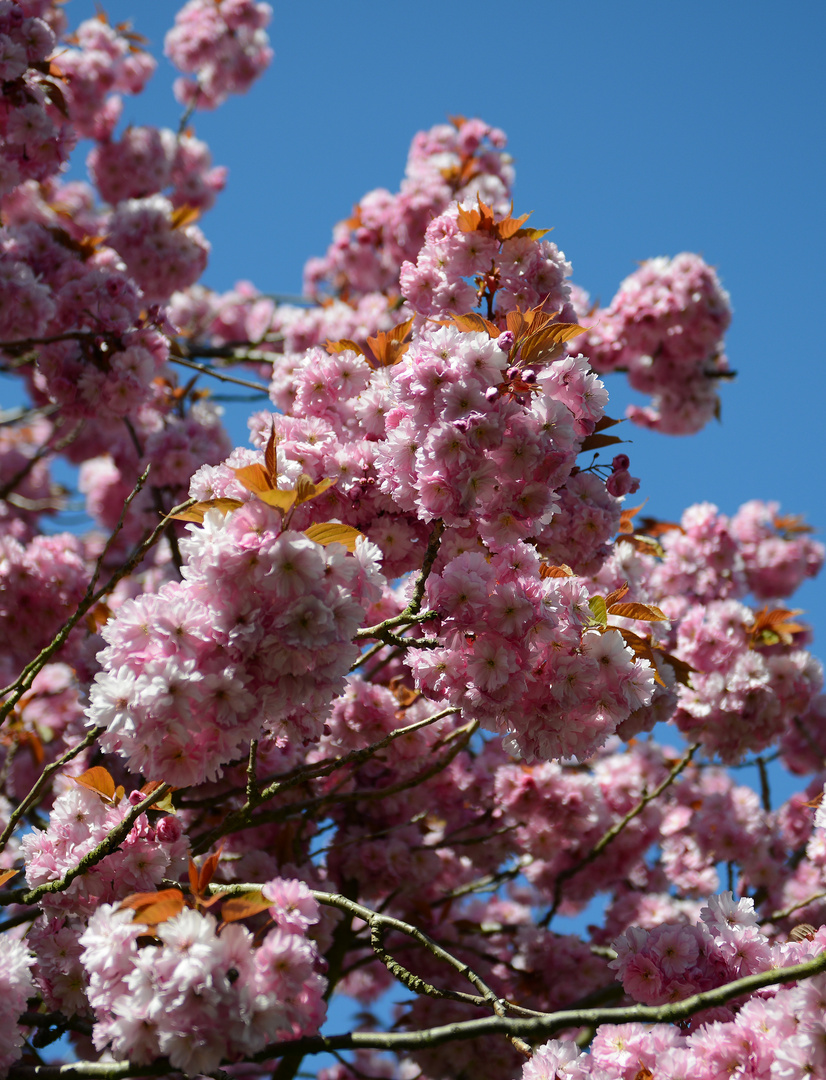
[(638, 129)]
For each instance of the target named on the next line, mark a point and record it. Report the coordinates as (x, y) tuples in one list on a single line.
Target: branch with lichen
[(534, 1029)]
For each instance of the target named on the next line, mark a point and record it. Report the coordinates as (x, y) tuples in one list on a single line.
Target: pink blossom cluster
[(222, 43), (777, 1036), (16, 987), (523, 272), (665, 328), (256, 638), (107, 62), (35, 137), (41, 585), (197, 995), (80, 819), (457, 161), (161, 254), (146, 161), (775, 563), (516, 657), (672, 962), (459, 449)]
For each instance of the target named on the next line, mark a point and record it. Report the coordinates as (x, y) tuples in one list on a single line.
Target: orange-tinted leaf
[(332, 532), (510, 226), (473, 322), (546, 570), (617, 595), (254, 478), (208, 869), (645, 544), (99, 780), (184, 215), (162, 804), (271, 457), (532, 234), (98, 617), (344, 345), (403, 694), (7, 875), (646, 612), (653, 527), (120, 791), (596, 442), (682, 669), (775, 627), (305, 489), (641, 648), (198, 511), (515, 322), (643, 1073), (55, 95), (791, 525), (161, 910), (242, 907), (469, 220), (139, 902), (458, 121), (278, 499), (193, 876), (388, 347), (627, 515)]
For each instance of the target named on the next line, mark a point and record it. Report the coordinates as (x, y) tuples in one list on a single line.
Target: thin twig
[(615, 830), (205, 370)]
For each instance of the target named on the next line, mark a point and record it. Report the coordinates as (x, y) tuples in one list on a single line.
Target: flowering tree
[(370, 704)]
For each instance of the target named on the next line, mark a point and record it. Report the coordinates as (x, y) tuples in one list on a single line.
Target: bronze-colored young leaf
[(645, 544), (254, 478), (596, 442), (388, 347), (305, 489), (242, 907), (184, 215), (7, 875), (626, 516), (99, 780), (775, 627), (344, 345), (473, 322), (617, 595), (606, 422), (682, 669), (271, 456), (546, 570), (532, 234), (198, 511), (641, 648), (333, 532), (278, 499), (510, 226), (155, 908), (208, 869), (645, 612)]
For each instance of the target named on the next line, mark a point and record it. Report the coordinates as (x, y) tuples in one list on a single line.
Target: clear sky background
[(638, 129)]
